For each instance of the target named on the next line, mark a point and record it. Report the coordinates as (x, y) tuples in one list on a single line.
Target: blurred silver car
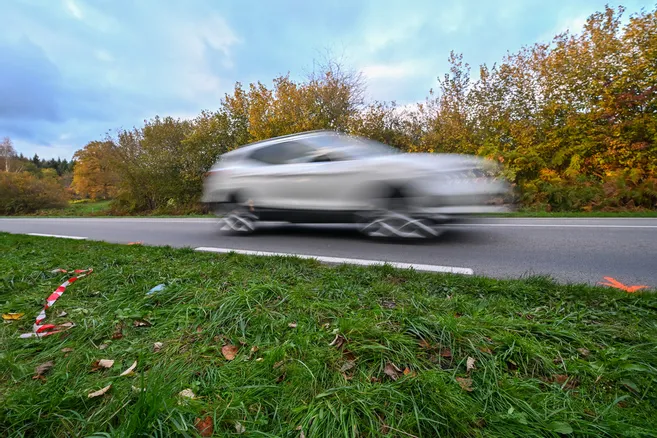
[(327, 177)]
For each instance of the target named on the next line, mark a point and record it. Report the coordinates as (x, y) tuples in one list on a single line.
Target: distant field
[(269, 347)]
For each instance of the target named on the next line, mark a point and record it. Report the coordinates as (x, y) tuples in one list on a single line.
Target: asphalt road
[(570, 250)]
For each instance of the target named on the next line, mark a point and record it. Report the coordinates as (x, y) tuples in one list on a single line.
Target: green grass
[(91, 208), (102, 209), (548, 358)]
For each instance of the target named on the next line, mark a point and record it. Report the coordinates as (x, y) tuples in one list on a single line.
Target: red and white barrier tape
[(40, 330)]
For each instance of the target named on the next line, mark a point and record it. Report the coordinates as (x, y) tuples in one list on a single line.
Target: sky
[(73, 70)]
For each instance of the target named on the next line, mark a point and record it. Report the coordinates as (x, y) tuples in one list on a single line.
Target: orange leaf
[(229, 351), (205, 427)]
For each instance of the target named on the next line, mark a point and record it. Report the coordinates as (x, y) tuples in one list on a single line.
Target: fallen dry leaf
[(106, 363), (388, 304), (470, 364), (408, 372), (100, 364), (485, 350), (260, 359), (279, 363), (424, 344), (254, 349), (239, 428), (12, 316), (205, 427), (392, 371), (446, 353), (43, 369), (187, 393), (347, 366), (118, 331), (141, 323), (229, 351), (292, 325), (66, 325), (338, 342), (281, 378), (100, 391), (465, 383), (102, 346), (130, 370), (583, 351), (62, 314), (66, 350), (326, 325), (157, 346)]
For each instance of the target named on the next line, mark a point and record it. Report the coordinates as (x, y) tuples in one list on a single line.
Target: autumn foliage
[(573, 122), (23, 192)]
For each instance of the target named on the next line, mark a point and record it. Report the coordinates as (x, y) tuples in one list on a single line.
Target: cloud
[(73, 9), (392, 71), (30, 84)]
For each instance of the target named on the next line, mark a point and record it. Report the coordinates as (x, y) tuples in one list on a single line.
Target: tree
[(95, 176), (7, 153)]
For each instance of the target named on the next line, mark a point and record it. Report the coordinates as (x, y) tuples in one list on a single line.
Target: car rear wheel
[(395, 221), (236, 218)]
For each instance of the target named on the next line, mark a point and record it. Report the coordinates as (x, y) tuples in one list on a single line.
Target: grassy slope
[(526, 336)]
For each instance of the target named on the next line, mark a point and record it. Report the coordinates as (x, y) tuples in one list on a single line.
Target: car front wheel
[(395, 221)]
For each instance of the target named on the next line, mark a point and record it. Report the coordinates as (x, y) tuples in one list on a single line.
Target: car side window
[(281, 153)]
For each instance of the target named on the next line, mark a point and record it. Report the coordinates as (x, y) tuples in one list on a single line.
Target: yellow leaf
[(12, 316)]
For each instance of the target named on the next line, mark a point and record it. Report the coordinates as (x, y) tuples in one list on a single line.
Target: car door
[(327, 181), (274, 181)]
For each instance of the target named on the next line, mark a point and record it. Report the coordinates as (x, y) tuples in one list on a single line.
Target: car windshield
[(354, 146)]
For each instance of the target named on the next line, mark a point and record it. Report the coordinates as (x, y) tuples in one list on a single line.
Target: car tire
[(235, 218), (394, 221)]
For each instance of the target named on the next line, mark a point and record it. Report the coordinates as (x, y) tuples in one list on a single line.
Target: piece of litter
[(100, 391), (130, 370), (40, 330), (187, 393), (157, 288), (12, 316)]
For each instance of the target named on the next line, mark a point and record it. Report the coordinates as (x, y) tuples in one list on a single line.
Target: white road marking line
[(550, 226), (57, 235), (340, 260)]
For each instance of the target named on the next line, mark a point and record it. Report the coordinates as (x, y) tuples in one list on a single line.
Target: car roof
[(250, 147)]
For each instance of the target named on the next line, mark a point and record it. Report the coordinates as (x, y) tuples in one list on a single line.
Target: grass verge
[(319, 351)]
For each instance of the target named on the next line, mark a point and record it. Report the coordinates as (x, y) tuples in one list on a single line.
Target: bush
[(25, 193)]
